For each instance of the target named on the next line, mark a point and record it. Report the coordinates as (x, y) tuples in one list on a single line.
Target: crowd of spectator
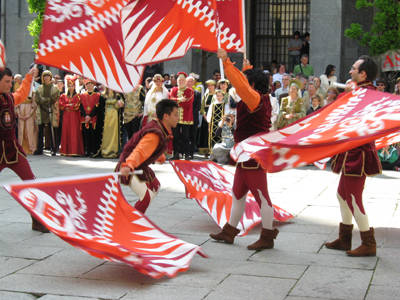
[(78, 117)]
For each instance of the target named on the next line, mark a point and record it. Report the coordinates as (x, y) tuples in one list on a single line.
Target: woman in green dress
[(292, 107), (111, 141)]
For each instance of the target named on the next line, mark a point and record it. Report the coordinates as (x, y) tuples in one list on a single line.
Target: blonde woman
[(156, 93), (292, 107)]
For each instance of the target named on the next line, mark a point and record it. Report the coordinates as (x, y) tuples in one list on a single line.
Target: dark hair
[(296, 33), (380, 80), (306, 34), (304, 55), (260, 80), (165, 106), (329, 69), (216, 71), (5, 71), (369, 67)]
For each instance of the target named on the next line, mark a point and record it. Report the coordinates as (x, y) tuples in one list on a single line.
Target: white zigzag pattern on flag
[(106, 211), (95, 24), (204, 14)]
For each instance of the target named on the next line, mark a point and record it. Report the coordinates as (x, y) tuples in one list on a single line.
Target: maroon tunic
[(9, 147), (155, 126), (252, 122), (359, 161)]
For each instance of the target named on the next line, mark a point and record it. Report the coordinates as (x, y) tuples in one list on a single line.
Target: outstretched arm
[(239, 81), (23, 91)]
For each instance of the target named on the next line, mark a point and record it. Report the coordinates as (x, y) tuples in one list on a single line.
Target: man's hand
[(34, 72), (222, 54), (125, 171), (246, 64)]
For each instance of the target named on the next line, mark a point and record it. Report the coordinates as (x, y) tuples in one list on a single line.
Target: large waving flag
[(354, 119), (85, 38), (157, 30), (92, 214), (211, 186)]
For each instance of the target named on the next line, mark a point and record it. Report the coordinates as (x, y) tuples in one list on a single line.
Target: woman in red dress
[(71, 136)]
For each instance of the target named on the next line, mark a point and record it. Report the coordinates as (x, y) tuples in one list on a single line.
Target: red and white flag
[(211, 186), (91, 213), (2, 56), (156, 31), (85, 38), (357, 118)]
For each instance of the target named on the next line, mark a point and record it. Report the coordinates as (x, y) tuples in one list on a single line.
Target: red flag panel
[(354, 119), (92, 214), (155, 30), (211, 185), (85, 38)]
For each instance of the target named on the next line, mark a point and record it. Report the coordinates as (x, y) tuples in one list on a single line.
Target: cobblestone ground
[(42, 266)]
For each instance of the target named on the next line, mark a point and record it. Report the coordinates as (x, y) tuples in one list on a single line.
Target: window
[(272, 24)]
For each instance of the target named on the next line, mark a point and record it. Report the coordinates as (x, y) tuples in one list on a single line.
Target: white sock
[(267, 213), (347, 216), (237, 210)]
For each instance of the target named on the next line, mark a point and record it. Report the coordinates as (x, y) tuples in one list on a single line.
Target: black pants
[(182, 139), (90, 140), (129, 129), (49, 134)]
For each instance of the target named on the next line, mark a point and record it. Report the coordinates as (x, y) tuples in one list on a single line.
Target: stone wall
[(325, 33)]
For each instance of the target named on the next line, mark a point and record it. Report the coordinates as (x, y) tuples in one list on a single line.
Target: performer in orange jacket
[(354, 165), (12, 155), (253, 116), (146, 147)]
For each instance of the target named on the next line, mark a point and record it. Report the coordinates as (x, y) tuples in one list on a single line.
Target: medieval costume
[(133, 111), (71, 135), (253, 116), (92, 118), (292, 107), (46, 96), (112, 129), (144, 148), (184, 96), (354, 165), (216, 112), (12, 155), (155, 94), (27, 127), (205, 104)]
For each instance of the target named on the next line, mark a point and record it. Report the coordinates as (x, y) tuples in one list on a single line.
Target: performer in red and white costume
[(146, 147), (253, 116), (12, 155), (354, 165)]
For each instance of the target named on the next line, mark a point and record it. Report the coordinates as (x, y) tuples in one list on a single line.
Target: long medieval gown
[(71, 135)]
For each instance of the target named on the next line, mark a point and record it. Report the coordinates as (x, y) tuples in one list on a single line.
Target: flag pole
[(244, 30), (221, 65)]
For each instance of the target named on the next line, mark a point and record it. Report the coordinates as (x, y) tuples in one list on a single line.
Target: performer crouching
[(253, 116), (146, 147), (355, 165)]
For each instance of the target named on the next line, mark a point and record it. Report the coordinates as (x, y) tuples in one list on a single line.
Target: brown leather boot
[(227, 234), (37, 226), (368, 244), (344, 240), (266, 240)]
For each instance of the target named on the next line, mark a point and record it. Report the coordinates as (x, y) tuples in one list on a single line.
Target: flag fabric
[(85, 38), (156, 31), (211, 186), (356, 118), (2, 56), (91, 213)]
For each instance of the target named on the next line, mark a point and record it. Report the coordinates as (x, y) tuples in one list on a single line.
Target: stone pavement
[(42, 266)]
